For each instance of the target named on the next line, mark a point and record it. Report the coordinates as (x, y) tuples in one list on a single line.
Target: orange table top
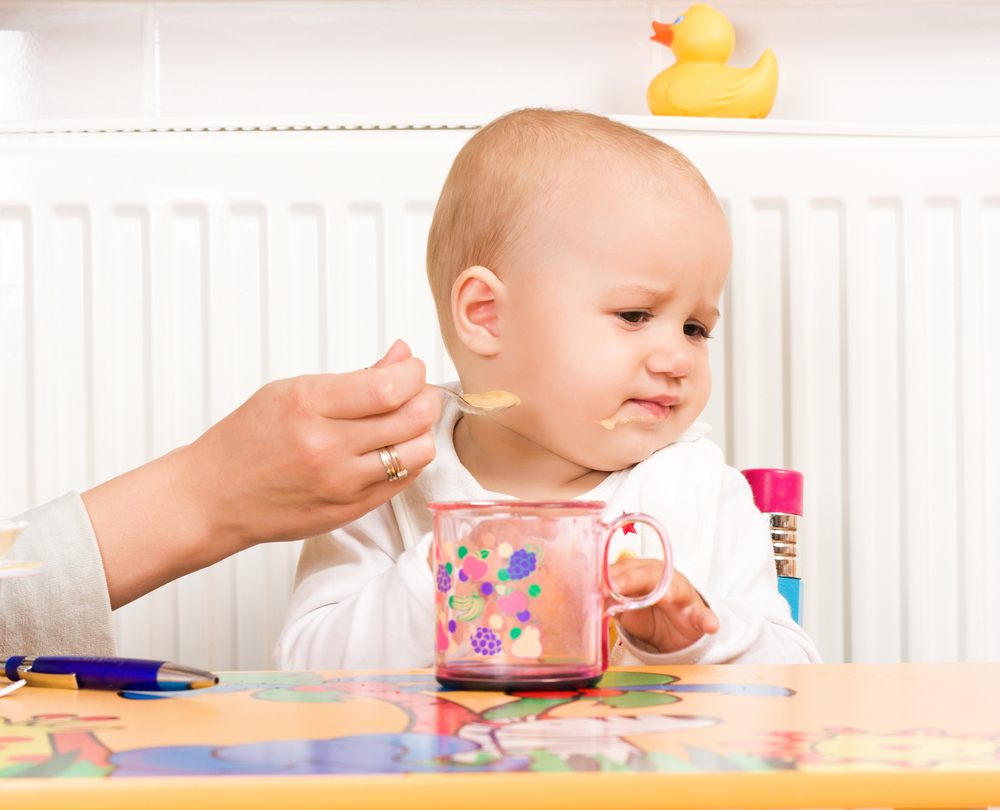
[(894, 735)]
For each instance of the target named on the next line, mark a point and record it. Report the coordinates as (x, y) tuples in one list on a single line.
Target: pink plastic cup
[(523, 595)]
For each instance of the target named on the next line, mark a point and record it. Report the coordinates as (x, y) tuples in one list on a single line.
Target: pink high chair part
[(778, 495)]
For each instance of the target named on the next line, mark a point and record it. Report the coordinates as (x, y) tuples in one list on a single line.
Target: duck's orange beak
[(664, 34)]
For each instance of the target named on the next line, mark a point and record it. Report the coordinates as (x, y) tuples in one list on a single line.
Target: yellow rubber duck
[(699, 83)]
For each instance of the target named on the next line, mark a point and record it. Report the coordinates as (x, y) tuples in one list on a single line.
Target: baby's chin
[(627, 452)]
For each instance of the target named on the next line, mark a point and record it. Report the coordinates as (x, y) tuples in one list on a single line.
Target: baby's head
[(578, 263)]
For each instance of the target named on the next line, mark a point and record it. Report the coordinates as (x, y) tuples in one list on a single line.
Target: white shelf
[(410, 121)]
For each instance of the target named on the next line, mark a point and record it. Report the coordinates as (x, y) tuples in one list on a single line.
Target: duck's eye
[(679, 20)]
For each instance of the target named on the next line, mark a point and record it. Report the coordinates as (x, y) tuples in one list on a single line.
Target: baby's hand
[(678, 620)]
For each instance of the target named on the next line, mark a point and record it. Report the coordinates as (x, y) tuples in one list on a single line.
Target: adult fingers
[(413, 455), (414, 418), (360, 487), (397, 351), (370, 391), (353, 444)]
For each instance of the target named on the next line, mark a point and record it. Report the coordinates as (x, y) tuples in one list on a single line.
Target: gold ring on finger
[(394, 468)]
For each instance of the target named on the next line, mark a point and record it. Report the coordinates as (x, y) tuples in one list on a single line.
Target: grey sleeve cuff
[(65, 610)]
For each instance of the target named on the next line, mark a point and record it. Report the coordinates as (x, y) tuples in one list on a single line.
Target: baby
[(578, 263)]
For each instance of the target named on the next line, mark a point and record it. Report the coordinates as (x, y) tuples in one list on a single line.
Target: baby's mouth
[(641, 410)]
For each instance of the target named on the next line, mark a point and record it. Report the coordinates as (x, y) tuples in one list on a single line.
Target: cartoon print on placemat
[(467, 731), (53, 745), (443, 731), (397, 753), (454, 731), (835, 749)]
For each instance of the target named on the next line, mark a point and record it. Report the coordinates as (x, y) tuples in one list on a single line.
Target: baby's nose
[(672, 357)]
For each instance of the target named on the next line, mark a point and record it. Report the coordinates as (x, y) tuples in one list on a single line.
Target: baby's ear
[(476, 297)]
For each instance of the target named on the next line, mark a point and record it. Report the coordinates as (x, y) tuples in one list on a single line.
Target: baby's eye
[(633, 315), (696, 330)]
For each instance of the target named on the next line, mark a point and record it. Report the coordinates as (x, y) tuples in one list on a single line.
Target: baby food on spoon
[(493, 399), (492, 402)]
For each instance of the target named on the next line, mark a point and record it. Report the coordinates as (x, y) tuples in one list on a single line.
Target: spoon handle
[(463, 406)]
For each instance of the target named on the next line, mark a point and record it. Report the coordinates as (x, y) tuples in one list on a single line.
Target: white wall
[(900, 62)]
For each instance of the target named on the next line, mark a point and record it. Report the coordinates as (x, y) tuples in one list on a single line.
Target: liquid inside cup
[(519, 602)]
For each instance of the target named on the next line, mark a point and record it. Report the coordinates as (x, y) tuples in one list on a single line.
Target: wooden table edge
[(573, 791)]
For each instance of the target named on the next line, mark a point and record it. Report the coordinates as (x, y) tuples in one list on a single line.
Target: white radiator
[(150, 281)]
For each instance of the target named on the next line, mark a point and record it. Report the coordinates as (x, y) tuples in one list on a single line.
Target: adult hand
[(299, 458)]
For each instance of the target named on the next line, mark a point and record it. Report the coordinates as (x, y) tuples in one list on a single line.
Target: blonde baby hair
[(509, 169)]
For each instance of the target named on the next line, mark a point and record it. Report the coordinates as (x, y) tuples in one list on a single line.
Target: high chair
[(778, 495)]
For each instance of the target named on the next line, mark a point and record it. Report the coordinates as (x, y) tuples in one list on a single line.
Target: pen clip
[(44, 678)]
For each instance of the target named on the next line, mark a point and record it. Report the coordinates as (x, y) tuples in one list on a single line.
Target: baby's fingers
[(685, 603), (709, 621), (632, 577), (701, 617)]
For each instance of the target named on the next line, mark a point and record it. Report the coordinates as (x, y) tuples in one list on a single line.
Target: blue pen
[(113, 674)]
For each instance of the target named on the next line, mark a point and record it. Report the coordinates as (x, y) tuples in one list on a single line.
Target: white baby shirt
[(364, 594)]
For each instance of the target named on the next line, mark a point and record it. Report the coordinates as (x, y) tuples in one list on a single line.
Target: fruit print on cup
[(522, 596), (485, 641), (491, 588)]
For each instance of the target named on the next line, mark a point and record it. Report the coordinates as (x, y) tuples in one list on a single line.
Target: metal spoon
[(481, 404)]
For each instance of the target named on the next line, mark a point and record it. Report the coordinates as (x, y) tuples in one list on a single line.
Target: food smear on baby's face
[(493, 399), (613, 421)]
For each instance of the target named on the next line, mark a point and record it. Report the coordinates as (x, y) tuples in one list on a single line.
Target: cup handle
[(654, 596)]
